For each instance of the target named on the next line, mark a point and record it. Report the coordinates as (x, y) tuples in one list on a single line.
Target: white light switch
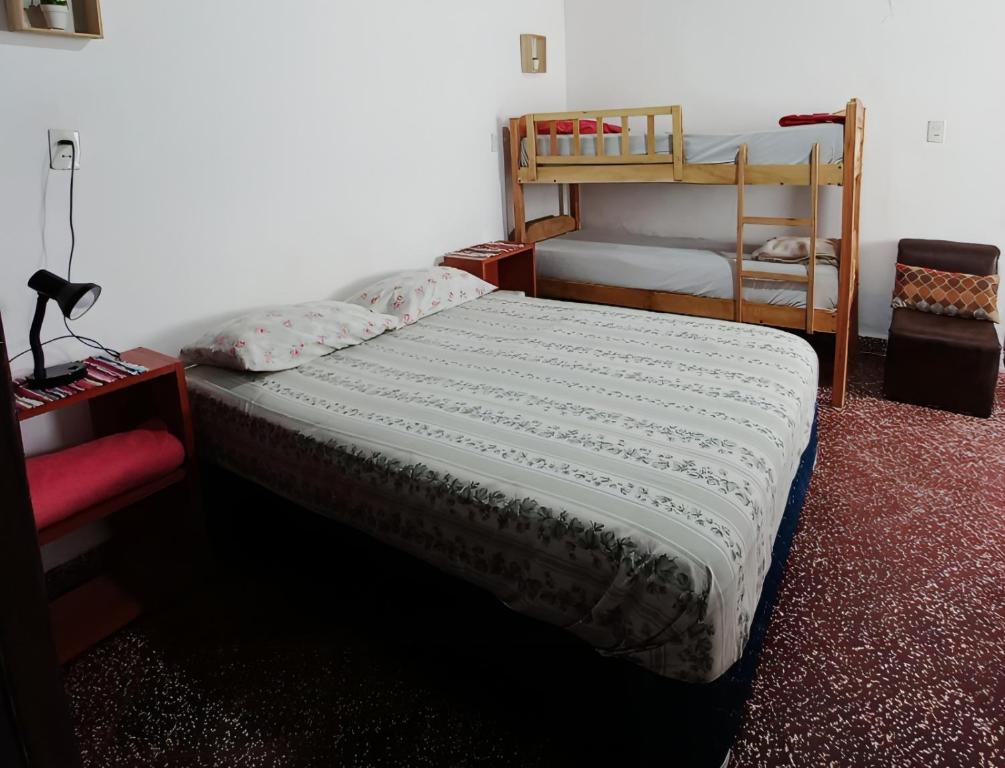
[(936, 131)]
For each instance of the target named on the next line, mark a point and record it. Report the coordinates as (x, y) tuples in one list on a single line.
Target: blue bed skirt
[(705, 718), (745, 668)]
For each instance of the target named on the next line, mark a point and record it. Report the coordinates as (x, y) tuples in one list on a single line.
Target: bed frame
[(603, 167)]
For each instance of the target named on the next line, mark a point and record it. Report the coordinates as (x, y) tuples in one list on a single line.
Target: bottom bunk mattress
[(691, 267), (618, 473)]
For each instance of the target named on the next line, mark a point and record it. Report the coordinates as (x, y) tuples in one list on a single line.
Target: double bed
[(618, 473)]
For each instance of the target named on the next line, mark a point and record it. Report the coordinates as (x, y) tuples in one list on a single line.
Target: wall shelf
[(86, 15)]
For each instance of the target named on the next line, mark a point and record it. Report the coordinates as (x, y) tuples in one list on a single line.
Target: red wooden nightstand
[(509, 266), (91, 612)]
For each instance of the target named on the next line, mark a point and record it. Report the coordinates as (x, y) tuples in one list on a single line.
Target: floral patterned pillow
[(278, 338), (412, 295)]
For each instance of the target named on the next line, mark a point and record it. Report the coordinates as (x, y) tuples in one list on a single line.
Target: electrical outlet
[(936, 131), (60, 156)]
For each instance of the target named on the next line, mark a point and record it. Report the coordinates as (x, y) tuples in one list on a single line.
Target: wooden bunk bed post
[(811, 264), (741, 219), (516, 188), (532, 148), (857, 208), (848, 266), (677, 116)]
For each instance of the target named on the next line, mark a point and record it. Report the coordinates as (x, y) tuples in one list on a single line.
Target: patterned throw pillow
[(947, 293), (413, 295), (279, 338)]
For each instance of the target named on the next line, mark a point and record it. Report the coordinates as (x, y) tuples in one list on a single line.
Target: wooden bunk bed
[(660, 157)]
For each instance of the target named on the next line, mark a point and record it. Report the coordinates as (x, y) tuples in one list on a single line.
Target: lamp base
[(58, 375)]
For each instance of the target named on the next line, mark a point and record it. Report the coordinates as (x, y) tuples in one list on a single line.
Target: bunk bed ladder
[(742, 220)]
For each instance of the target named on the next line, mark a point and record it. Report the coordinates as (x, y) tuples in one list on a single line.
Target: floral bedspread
[(618, 473)]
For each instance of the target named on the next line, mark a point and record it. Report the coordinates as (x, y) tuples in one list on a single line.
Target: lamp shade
[(74, 299)]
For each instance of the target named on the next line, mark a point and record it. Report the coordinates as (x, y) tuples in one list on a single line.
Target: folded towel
[(796, 250)]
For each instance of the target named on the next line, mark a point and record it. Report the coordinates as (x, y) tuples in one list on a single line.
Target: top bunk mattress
[(616, 472), (780, 146)]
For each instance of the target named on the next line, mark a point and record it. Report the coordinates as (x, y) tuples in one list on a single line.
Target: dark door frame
[(38, 732)]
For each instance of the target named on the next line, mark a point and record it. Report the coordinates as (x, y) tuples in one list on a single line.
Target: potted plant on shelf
[(56, 13)]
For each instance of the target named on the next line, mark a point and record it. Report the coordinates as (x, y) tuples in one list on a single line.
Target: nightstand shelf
[(103, 605), (108, 507), (512, 267), (157, 366), (90, 613), (86, 15)]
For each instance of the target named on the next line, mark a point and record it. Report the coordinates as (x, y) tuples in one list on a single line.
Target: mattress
[(692, 267), (615, 472), (780, 146)]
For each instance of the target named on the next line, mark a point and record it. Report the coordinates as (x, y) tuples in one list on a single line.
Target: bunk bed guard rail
[(571, 151)]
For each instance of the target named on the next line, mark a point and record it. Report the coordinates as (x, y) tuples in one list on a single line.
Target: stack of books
[(101, 370), (486, 250)]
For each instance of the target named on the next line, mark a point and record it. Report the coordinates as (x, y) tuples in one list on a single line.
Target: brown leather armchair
[(939, 361)]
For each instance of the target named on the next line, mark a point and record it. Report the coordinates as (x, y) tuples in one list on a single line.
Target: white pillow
[(796, 250), (282, 337), (412, 295)]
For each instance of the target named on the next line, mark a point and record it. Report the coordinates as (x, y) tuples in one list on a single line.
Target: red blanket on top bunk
[(811, 119), (564, 127)]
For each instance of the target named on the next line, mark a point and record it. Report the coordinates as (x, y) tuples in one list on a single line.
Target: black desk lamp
[(74, 299)]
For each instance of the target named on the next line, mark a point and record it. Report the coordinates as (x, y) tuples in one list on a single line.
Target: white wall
[(741, 65), (233, 157)]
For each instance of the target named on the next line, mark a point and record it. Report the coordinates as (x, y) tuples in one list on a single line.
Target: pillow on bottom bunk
[(796, 250)]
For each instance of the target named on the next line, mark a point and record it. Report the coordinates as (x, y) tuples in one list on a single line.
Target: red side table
[(91, 612), (508, 266)]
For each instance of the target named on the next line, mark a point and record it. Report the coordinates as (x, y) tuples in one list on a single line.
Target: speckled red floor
[(887, 644), (886, 647)]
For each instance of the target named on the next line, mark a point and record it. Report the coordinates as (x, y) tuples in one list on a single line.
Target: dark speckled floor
[(255, 675), (301, 656), (887, 647), (887, 644)]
